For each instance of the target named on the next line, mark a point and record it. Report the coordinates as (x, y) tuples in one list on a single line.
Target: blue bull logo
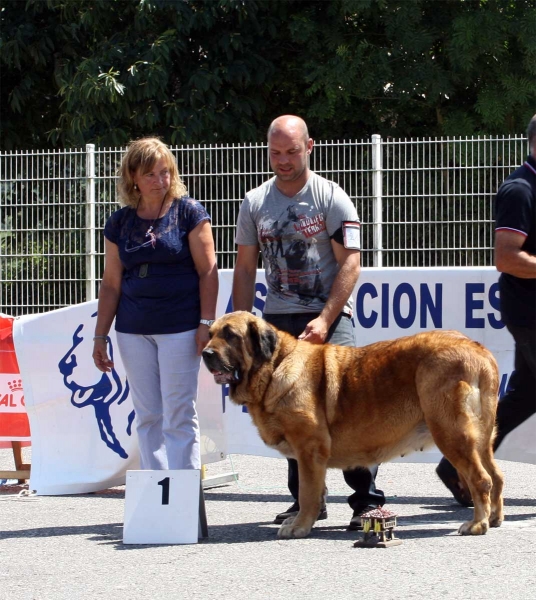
[(101, 394)]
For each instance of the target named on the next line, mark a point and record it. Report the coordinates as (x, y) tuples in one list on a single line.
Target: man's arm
[(510, 258), (349, 262), (244, 276)]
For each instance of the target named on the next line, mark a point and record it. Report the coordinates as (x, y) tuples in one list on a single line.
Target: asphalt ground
[(56, 547)]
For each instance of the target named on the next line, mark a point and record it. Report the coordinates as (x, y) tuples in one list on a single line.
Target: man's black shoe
[(449, 476), (293, 510), (355, 521)]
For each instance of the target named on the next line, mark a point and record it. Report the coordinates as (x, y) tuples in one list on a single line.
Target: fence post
[(90, 222), (377, 206)]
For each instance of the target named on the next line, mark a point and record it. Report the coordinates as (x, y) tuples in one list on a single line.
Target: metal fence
[(422, 202)]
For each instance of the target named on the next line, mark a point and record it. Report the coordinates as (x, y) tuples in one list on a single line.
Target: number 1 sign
[(162, 507)]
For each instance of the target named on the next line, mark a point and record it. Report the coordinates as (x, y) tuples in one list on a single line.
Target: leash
[(23, 495)]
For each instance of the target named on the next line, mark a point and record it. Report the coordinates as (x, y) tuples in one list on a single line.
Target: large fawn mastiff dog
[(335, 406)]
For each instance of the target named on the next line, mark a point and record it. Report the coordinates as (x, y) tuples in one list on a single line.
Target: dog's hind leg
[(466, 460), (484, 423), (489, 394), (459, 435), (480, 485), (497, 515)]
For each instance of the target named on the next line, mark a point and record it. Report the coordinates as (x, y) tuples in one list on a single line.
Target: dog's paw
[(288, 531), (474, 528), (289, 520), (495, 521)]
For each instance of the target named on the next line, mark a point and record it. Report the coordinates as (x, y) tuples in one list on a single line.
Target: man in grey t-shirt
[(307, 230)]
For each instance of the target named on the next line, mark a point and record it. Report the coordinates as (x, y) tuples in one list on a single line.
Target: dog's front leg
[(312, 474)]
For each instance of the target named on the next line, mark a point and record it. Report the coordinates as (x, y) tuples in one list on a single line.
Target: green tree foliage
[(419, 67), (195, 71)]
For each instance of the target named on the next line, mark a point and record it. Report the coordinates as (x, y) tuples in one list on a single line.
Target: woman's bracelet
[(101, 337)]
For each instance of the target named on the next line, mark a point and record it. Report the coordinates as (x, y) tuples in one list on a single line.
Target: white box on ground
[(162, 507)]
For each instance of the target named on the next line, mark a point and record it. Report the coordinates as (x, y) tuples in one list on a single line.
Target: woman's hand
[(201, 338), (100, 356)]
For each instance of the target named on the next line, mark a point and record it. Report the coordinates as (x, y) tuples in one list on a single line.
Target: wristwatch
[(206, 322)]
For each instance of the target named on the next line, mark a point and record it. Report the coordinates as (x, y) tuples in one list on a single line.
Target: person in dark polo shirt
[(515, 258)]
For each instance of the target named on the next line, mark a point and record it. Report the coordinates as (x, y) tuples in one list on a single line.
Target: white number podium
[(164, 507)]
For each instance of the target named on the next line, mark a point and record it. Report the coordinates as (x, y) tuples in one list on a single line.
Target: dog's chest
[(270, 431)]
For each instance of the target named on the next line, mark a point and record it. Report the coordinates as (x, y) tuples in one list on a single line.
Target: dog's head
[(240, 343)]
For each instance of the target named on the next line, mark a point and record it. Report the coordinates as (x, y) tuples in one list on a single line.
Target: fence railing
[(422, 202)]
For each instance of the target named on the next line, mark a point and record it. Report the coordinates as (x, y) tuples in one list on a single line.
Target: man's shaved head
[(287, 124)]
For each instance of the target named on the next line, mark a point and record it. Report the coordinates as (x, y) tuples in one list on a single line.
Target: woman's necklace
[(150, 234)]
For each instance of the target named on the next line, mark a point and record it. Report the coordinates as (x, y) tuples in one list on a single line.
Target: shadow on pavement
[(254, 532)]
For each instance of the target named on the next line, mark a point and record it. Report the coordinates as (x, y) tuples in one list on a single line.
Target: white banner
[(394, 302), (81, 420), (83, 436)]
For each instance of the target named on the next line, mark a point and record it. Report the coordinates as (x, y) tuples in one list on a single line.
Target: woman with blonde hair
[(160, 283)]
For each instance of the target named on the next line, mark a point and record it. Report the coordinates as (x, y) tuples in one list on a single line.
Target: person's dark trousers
[(361, 480), (519, 401)]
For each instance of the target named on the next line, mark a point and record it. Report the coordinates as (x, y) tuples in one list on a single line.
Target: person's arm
[(244, 275), (204, 256), (349, 262), (109, 293), (510, 258)]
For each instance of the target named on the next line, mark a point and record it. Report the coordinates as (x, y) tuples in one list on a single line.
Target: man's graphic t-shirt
[(294, 238)]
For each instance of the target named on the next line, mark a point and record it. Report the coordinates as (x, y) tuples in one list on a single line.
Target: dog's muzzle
[(222, 373)]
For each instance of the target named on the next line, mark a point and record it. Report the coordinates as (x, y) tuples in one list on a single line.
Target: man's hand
[(316, 331)]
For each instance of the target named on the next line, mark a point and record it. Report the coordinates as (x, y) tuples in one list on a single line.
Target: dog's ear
[(263, 340)]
